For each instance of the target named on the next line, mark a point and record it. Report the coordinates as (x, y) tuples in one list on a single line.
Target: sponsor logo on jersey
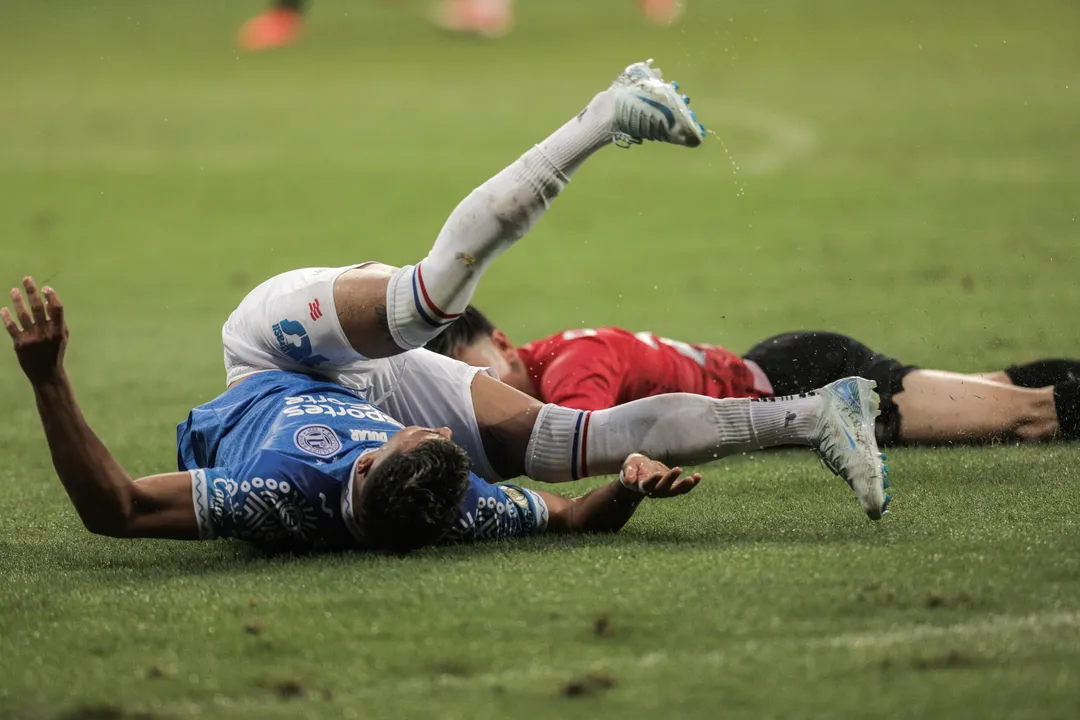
[(314, 309), (298, 405), (293, 341), (515, 495), (368, 436), (317, 440)]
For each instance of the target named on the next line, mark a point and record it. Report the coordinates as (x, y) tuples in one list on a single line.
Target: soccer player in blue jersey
[(291, 462)]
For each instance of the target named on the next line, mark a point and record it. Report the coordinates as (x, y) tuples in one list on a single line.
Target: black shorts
[(798, 362)]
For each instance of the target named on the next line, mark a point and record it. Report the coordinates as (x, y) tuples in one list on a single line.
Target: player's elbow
[(116, 522), (109, 527)]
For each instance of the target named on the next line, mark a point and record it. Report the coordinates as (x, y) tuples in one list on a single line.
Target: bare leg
[(998, 376), (940, 407)]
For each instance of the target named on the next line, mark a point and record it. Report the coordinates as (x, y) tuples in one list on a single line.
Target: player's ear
[(503, 345), (363, 465)]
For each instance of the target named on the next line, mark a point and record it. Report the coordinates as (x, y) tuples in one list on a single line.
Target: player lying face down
[(356, 479), (602, 368)]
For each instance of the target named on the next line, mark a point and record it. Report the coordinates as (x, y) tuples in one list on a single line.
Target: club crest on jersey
[(317, 440), (293, 341)]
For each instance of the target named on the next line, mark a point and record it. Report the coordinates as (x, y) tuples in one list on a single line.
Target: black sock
[(1044, 373), (1067, 404), (293, 5)]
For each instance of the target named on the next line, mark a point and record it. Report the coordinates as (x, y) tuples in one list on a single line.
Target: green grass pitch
[(907, 174)]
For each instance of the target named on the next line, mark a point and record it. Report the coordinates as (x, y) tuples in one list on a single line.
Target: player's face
[(499, 354), (483, 353)]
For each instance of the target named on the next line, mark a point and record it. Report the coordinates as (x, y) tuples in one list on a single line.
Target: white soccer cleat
[(647, 108), (845, 441)]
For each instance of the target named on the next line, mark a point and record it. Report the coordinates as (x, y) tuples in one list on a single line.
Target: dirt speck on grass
[(939, 599), (951, 660), (591, 684), (602, 625), (453, 668), (288, 689), (284, 688)]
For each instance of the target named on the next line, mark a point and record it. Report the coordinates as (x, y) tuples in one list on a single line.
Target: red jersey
[(598, 369)]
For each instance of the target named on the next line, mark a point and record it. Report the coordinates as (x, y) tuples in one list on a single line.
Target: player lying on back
[(264, 473), (603, 368)]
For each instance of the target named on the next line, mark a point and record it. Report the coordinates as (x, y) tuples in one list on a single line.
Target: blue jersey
[(272, 460)]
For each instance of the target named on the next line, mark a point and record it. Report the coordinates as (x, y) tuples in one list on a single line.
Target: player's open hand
[(38, 331), (655, 479)]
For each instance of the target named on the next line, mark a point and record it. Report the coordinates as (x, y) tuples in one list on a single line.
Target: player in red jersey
[(597, 369)]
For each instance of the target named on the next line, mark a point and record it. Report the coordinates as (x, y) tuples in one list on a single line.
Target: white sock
[(788, 420), (678, 429), (422, 299)]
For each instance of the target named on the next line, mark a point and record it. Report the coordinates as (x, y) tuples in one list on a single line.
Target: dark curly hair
[(412, 498), (463, 332)]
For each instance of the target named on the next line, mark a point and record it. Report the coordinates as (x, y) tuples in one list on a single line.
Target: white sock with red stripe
[(422, 299), (678, 429)]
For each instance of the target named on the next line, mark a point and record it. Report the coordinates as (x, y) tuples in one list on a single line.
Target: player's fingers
[(55, 307), (33, 297), (9, 323), (663, 487), (20, 309), (685, 485), (649, 484)]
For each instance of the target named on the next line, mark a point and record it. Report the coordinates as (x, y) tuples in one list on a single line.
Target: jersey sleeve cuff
[(200, 499), (348, 509)]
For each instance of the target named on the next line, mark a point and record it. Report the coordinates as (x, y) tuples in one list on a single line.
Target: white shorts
[(290, 323)]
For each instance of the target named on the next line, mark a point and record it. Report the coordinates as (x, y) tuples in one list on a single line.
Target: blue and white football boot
[(647, 108), (845, 441)]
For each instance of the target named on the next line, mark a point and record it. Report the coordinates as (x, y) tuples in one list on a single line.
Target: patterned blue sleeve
[(273, 501), (491, 512)]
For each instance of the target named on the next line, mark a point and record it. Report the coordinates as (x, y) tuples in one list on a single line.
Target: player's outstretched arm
[(608, 508), (105, 497)]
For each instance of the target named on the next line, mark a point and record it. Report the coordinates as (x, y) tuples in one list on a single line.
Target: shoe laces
[(624, 141)]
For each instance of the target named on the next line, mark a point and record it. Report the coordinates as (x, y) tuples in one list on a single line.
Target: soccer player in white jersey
[(364, 327)]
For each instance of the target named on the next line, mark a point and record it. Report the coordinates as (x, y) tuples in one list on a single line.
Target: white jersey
[(290, 323)]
